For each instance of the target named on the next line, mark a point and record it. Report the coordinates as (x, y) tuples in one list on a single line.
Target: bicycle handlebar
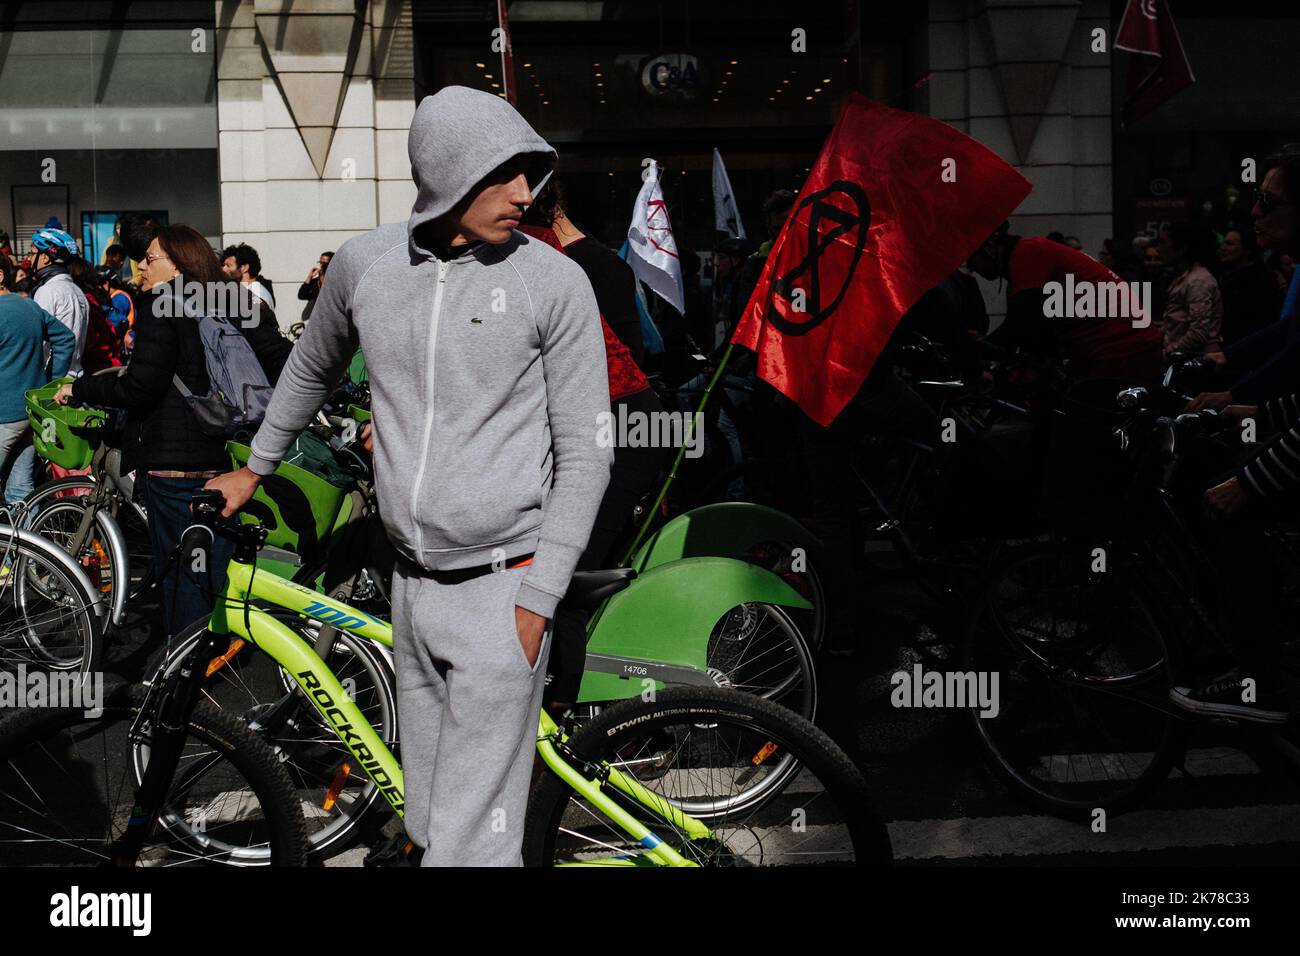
[(206, 506)]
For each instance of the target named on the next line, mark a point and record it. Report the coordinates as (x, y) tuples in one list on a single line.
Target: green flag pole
[(696, 419)]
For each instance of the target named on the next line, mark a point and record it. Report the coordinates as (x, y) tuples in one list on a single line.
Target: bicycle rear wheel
[(716, 752), (68, 782)]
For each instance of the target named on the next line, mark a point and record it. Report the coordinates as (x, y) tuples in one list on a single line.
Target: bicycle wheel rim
[(822, 816), (46, 620), (1070, 745), (313, 763), (757, 649)]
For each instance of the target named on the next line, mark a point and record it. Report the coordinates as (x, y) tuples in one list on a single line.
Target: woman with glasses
[(161, 440)]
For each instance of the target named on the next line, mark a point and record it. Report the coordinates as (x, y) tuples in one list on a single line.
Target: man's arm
[(577, 392), (62, 344), (1274, 471), (313, 369), (1274, 378), (1256, 348)]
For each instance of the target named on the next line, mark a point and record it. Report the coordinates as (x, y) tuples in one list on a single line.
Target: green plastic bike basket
[(64, 435), (297, 507)]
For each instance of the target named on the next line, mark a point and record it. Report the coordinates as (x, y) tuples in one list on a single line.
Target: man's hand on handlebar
[(367, 437), (1240, 412), (64, 394), (237, 487), (1209, 400), (1224, 499)]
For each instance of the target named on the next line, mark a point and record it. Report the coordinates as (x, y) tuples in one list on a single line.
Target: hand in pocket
[(530, 627)]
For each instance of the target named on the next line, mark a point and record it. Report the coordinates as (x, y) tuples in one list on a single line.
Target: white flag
[(654, 258), (726, 215)]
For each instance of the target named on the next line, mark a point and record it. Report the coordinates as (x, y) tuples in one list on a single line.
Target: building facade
[(282, 123)]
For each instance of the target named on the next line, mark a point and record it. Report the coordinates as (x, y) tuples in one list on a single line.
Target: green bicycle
[(693, 775)]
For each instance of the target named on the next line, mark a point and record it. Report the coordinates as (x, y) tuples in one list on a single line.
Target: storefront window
[(97, 122)]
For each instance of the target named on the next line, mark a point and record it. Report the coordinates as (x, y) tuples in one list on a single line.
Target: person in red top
[(636, 469), (1045, 319), (103, 347)]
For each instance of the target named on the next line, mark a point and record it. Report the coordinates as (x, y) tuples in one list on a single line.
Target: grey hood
[(458, 136)]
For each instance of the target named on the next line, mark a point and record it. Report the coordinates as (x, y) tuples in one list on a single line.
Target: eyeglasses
[(1269, 202), (154, 258)]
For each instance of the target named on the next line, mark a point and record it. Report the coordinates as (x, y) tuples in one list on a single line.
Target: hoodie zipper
[(428, 419)]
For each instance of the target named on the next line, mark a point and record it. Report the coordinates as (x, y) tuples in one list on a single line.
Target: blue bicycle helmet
[(56, 242)]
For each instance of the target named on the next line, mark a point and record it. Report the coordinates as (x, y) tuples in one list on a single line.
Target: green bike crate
[(71, 441), (298, 507)]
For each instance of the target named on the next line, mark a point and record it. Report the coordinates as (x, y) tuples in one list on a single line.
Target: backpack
[(238, 393)]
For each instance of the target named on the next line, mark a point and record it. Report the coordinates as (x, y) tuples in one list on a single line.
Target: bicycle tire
[(25, 731), (37, 569), (306, 759), (135, 528), (1010, 756), (618, 725)]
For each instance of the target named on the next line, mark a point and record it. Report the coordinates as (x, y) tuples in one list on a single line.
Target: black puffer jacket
[(160, 431)]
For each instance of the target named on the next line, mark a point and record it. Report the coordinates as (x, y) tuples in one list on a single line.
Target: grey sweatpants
[(467, 706)]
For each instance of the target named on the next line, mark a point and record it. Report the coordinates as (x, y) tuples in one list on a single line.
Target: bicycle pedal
[(398, 851)]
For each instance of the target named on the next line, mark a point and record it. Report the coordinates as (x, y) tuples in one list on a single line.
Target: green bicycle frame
[(234, 615)]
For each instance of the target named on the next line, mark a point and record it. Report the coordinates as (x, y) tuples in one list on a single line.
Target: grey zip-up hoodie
[(487, 369)]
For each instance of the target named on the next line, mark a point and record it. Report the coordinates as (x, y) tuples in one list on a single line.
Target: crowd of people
[(521, 396)]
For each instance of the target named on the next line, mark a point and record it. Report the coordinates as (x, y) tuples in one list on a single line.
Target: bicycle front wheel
[(718, 751), (68, 784), (246, 682), (49, 613), (1082, 721)]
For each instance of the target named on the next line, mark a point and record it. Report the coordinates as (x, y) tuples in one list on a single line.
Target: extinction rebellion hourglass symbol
[(854, 220)]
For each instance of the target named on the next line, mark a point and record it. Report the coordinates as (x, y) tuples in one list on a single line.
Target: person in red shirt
[(1061, 321), (636, 469), (103, 347)]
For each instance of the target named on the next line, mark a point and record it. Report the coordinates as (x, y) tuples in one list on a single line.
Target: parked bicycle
[(690, 776)]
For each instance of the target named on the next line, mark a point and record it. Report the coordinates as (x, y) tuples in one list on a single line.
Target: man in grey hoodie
[(487, 377)]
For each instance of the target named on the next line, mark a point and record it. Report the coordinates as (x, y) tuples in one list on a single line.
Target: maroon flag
[(895, 202), (507, 54), (1147, 29)]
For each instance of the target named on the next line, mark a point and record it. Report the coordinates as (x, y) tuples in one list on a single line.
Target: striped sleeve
[(1275, 469), (1278, 413)]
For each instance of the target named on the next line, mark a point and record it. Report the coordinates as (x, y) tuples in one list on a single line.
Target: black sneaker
[(1222, 698)]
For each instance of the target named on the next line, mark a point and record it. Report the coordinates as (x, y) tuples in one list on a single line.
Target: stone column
[(314, 100), (1020, 76)]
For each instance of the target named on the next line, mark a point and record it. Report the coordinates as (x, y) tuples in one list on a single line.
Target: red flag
[(880, 221), (1147, 28)]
